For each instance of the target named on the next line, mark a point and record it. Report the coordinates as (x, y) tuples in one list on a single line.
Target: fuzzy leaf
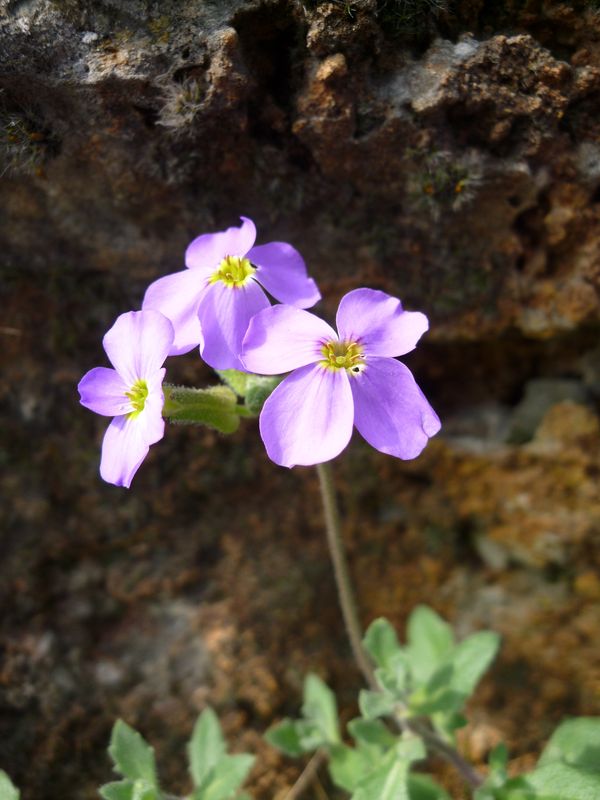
[(8, 791), (430, 643), (381, 642), (348, 767), (119, 790), (375, 704), (422, 787), (471, 659), (575, 742), (132, 755), (206, 746), (371, 736), (564, 782), (320, 707), (388, 781), (225, 778), (285, 737)]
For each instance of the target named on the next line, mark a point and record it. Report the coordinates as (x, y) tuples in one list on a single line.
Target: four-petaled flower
[(212, 301), (338, 381), (137, 345)]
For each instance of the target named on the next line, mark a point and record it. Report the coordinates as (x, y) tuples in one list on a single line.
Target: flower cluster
[(218, 303)]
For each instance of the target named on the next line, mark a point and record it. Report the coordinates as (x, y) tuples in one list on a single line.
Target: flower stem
[(342, 575), (354, 629)]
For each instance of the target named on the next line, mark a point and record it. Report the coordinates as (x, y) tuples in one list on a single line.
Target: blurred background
[(447, 152)]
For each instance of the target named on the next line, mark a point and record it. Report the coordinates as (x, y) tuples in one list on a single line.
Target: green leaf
[(8, 791), (225, 778), (575, 742), (348, 767), (214, 407), (471, 659), (375, 704), (498, 759), (430, 643), (564, 782), (133, 757), (320, 707), (206, 746), (119, 790), (388, 781), (371, 736), (285, 737), (143, 791), (422, 787), (381, 642), (236, 380)]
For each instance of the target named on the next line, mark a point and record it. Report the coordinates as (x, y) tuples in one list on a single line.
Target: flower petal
[(390, 411), (126, 444), (177, 297), (282, 271), (282, 338), (207, 251), (308, 418), (378, 321), (224, 313), (103, 390), (138, 343)]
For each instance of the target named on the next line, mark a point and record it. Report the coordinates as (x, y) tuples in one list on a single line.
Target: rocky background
[(446, 152)]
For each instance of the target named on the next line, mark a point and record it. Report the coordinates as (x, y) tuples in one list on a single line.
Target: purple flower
[(137, 345), (212, 301), (340, 380)]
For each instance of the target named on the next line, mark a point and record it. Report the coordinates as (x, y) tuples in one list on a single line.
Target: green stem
[(354, 628), (342, 574)]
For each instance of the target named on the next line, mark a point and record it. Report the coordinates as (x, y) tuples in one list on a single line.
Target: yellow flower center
[(343, 355), (233, 271), (137, 394)]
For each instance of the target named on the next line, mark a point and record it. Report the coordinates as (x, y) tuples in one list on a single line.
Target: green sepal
[(215, 407), (133, 757), (8, 791), (254, 388)]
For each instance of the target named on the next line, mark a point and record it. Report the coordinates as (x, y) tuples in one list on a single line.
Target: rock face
[(447, 154)]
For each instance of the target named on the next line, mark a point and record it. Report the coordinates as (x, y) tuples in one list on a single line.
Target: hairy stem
[(307, 776), (342, 575), (354, 628)]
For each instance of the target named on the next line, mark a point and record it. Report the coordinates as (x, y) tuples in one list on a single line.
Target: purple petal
[(308, 418), (138, 343), (207, 251), (126, 444), (390, 411), (378, 321), (224, 313), (177, 296), (282, 338), (103, 390), (282, 271)]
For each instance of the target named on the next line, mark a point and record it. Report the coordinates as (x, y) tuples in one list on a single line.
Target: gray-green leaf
[(564, 782), (8, 791), (471, 659), (206, 746), (430, 642), (320, 707), (381, 642), (375, 704), (575, 742), (132, 755), (285, 737), (388, 781), (225, 778), (422, 787), (348, 767), (119, 790)]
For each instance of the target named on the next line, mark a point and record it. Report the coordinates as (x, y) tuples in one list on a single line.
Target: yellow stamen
[(138, 395), (343, 355), (233, 271)]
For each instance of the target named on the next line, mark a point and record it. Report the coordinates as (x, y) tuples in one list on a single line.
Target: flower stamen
[(233, 271), (343, 355), (138, 395)]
